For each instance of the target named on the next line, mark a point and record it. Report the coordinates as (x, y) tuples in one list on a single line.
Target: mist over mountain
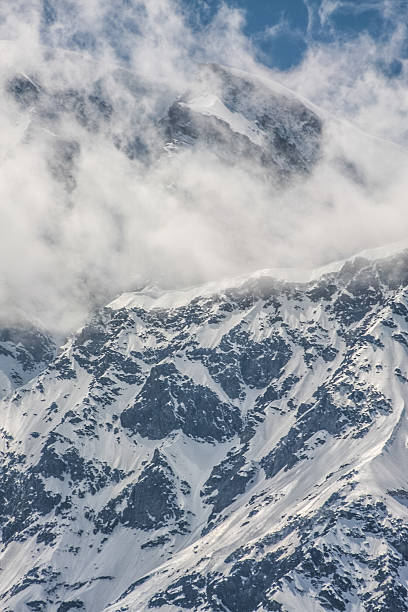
[(93, 99), (203, 309)]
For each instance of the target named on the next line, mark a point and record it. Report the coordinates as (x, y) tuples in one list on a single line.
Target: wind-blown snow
[(211, 105)]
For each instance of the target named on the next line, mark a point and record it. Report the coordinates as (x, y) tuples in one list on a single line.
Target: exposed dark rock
[(22, 496), (227, 481), (169, 401), (149, 504)]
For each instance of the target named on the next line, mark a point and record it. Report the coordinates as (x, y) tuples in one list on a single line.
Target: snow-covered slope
[(240, 447)]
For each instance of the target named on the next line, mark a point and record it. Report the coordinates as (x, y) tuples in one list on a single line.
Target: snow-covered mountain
[(238, 446), (241, 116), (236, 116)]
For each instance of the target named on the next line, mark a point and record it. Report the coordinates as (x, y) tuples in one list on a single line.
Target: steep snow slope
[(239, 447)]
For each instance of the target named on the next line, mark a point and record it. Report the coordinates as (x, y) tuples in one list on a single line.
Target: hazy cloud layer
[(80, 220)]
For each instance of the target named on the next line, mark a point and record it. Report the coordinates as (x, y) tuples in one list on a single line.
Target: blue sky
[(282, 30)]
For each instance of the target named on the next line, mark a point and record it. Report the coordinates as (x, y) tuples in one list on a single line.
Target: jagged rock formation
[(241, 117), (25, 350), (240, 447)]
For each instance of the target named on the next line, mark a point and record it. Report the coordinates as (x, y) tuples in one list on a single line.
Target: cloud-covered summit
[(94, 203)]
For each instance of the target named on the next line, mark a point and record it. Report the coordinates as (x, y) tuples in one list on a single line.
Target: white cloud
[(189, 217)]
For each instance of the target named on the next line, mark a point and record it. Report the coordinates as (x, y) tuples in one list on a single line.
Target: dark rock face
[(255, 366), (92, 353), (251, 582), (325, 415), (169, 401), (242, 450), (24, 352), (22, 496), (152, 501), (264, 361), (227, 481), (149, 504), (74, 604), (31, 345), (184, 127), (67, 463), (289, 133)]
